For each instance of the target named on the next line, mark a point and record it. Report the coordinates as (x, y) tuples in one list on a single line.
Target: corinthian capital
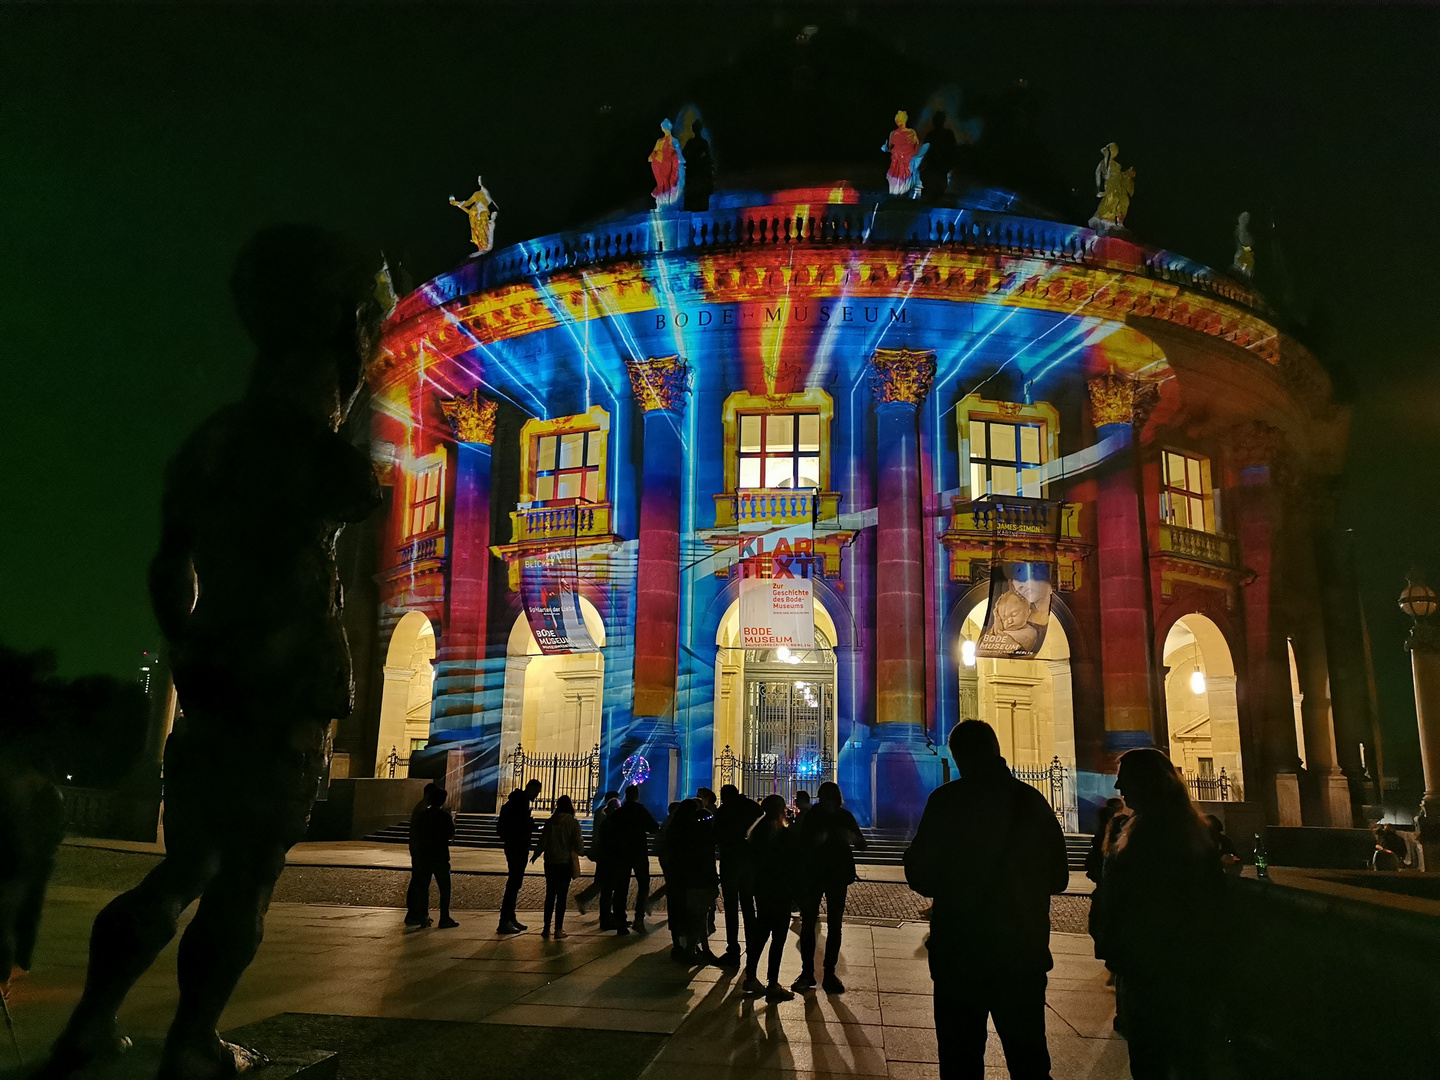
[(1119, 399), (471, 417), (660, 382), (902, 375)]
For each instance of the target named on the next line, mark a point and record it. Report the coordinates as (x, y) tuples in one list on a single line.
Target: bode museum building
[(780, 490)]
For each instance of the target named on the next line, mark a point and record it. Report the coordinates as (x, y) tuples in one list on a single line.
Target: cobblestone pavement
[(94, 868)]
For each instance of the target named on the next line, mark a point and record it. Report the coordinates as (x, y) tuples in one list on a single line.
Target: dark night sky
[(140, 146)]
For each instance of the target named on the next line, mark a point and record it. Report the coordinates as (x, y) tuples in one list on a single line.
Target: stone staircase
[(885, 848)]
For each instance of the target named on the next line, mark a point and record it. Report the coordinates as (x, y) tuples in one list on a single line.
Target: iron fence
[(393, 765), (88, 811), (1057, 784), (576, 775), (772, 775), (1222, 788)]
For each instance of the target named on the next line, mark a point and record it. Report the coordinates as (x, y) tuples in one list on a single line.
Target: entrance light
[(967, 652), (1418, 600), (1197, 682), (783, 654)]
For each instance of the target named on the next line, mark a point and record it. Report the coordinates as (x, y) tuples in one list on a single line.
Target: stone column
[(1423, 645), (1118, 406), (460, 652), (1266, 702), (660, 386), (902, 780)]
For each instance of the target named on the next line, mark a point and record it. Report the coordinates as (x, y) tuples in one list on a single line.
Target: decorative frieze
[(902, 375), (659, 382), (471, 418)]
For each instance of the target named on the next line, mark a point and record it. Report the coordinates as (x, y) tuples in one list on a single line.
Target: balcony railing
[(1213, 548), (560, 520), (423, 547), (1013, 515), (775, 506)]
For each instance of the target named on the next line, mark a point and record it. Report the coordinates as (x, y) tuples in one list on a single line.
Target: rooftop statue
[(1244, 264), (246, 591), (1115, 187), (906, 155), (669, 169), (699, 164), (482, 212)]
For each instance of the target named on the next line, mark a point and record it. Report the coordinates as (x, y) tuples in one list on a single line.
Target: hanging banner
[(1019, 612), (549, 589), (777, 599)]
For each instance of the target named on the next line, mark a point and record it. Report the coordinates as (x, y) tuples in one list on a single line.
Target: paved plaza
[(664, 1022)]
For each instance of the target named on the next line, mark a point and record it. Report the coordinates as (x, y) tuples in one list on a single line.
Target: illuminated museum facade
[(907, 397)]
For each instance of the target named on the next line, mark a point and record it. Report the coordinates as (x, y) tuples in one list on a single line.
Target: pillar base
[(653, 738), (1286, 807), (903, 772), (1335, 800)]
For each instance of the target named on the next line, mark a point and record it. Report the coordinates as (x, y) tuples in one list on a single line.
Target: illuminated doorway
[(1201, 709), (407, 695)]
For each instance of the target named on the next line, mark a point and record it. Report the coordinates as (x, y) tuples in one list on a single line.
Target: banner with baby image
[(1019, 612)]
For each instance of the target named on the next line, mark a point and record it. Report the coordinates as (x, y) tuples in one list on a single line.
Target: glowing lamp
[(967, 653), (1197, 682), (1418, 600), (783, 654)]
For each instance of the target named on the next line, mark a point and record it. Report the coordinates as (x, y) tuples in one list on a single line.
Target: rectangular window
[(1004, 456), (1185, 498), (779, 450), (567, 465), (425, 493), (1206, 765)]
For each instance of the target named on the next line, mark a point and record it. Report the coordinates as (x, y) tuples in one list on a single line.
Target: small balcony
[(560, 519), (422, 548), (1191, 545), (776, 506), (1016, 516), (1025, 530)]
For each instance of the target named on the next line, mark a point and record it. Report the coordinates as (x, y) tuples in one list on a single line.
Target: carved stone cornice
[(1119, 399), (471, 417), (660, 382), (902, 375), (1255, 443)]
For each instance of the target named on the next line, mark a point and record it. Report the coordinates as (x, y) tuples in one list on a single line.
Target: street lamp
[(1418, 601)]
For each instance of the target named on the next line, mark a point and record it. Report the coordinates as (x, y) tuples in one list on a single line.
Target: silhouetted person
[(597, 885), (1390, 849), (431, 830), (560, 844), (827, 841), (699, 171), (631, 826), (32, 824), (990, 853), (666, 889), (693, 883), (737, 873), (1229, 857), (801, 808), (1161, 871), (246, 592), (516, 826), (771, 855), (601, 850), (1096, 855)]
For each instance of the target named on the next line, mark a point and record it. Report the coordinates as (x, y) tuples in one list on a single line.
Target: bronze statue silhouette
[(246, 592)]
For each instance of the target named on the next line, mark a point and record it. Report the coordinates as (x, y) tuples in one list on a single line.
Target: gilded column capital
[(471, 417), (1119, 399), (660, 382), (902, 375)]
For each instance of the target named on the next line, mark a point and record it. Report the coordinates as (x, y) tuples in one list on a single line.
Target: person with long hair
[(772, 862), (560, 843), (1155, 919)]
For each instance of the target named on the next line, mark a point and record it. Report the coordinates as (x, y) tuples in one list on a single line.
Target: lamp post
[(1418, 601)]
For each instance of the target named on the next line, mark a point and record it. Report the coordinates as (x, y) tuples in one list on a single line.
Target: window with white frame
[(779, 450), (1185, 496), (1005, 455)]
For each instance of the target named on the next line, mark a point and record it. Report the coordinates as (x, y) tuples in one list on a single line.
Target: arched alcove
[(552, 703), (1201, 708), (408, 691)]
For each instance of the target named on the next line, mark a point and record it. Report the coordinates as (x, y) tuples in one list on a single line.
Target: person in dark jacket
[(990, 853), (560, 845), (586, 896), (1096, 855), (631, 826), (431, 830), (693, 884), (1161, 871), (733, 820), (771, 858), (662, 856), (827, 839), (601, 852), (516, 826)]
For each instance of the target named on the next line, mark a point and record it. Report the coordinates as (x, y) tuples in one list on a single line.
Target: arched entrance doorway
[(552, 704), (1031, 706), (405, 699), (775, 711), (1201, 709)]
